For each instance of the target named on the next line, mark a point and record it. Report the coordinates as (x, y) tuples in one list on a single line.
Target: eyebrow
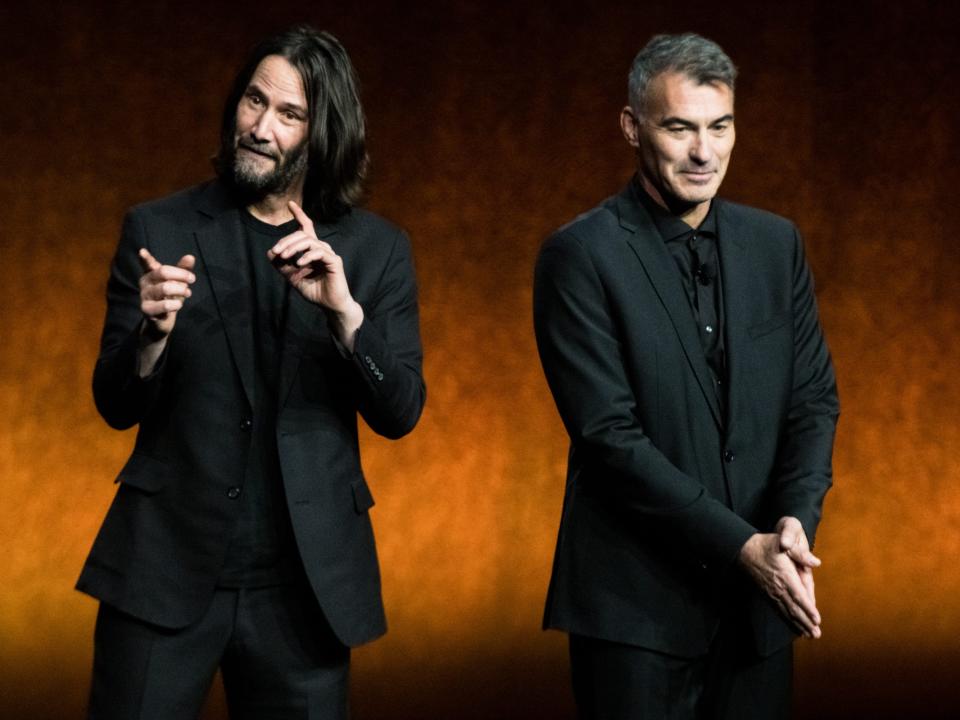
[(672, 120), (253, 87)]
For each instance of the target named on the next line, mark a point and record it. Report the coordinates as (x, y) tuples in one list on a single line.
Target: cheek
[(724, 153), (244, 122), (670, 162), (289, 138), (727, 147), (662, 157), (670, 154)]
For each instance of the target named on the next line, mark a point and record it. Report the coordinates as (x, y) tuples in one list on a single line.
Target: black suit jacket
[(662, 489), (162, 545)]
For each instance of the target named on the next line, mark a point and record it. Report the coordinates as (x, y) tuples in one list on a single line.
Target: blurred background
[(489, 125)]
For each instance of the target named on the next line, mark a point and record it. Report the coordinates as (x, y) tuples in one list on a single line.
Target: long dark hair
[(337, 152)]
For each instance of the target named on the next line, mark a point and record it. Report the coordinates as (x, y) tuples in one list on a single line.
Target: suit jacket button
[(233, 493), (246, 424), (728, 455)]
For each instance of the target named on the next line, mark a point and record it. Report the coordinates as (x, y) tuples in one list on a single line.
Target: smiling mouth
[(254, 151)]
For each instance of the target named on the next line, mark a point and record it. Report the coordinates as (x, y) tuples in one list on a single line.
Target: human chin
[(273, 176), (251, 173), (251, 162), (695, 190)]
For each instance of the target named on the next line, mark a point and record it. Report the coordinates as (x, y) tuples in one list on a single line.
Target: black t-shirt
[(262, 550)]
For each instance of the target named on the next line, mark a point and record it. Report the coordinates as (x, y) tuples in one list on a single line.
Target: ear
[(629, 126)]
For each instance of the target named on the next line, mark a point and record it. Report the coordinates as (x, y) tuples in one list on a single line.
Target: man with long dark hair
[(248, 321), (680, 338)]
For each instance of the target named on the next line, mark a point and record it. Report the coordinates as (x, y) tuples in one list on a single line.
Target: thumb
[(788, 539), (802, 556)]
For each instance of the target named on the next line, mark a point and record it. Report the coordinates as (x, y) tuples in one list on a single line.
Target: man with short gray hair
[(679, 335)]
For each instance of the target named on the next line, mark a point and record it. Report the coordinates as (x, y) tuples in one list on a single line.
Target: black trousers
[(612, 681), (277, 654)]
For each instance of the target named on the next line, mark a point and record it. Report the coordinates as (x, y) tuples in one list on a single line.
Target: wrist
[(150, 332), (347, 322), (747, 548)]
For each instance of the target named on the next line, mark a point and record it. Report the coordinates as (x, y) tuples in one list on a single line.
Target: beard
[(254, 183)]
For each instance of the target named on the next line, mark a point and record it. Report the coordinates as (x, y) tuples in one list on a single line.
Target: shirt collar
[(670, 227)]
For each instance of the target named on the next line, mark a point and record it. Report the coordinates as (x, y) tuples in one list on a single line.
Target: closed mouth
[(700, 175), (256, 152)]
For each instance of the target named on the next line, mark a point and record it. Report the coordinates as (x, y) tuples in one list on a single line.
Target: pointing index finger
[(305, 222), (148, 261)]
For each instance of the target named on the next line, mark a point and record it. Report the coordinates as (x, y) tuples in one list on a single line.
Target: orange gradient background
[(489, 125)]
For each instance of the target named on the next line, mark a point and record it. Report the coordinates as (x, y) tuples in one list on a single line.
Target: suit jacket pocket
[(145, 473), (769, 325), (362, 497)]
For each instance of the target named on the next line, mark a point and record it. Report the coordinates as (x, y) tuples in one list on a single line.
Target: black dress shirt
[(696, 254)]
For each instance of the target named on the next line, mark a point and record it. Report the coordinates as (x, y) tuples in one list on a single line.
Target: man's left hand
[(793, 541), (316, 271)]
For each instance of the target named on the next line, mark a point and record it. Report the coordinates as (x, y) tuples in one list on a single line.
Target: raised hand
[(311, 265), (163, 290), (316, 271)]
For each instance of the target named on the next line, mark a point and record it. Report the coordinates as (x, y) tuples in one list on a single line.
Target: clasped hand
[(782, 565)]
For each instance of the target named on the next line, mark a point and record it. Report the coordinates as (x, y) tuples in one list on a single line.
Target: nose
[(701, 150), (262, 129)]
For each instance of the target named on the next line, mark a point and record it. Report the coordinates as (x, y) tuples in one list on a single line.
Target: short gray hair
[(690, 54)]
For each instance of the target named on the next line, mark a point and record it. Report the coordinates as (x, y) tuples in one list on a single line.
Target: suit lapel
[(738, 278), (224, 260), (304, 320), (662, 272)]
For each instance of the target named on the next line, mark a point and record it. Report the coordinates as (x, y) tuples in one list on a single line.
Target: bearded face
[(268, 152), (260, 170)]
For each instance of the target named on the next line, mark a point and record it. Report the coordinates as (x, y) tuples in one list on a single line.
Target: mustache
[(259, 149)]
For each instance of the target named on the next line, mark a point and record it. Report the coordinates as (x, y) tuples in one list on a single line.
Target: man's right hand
[(788, 583), (163, 290)]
